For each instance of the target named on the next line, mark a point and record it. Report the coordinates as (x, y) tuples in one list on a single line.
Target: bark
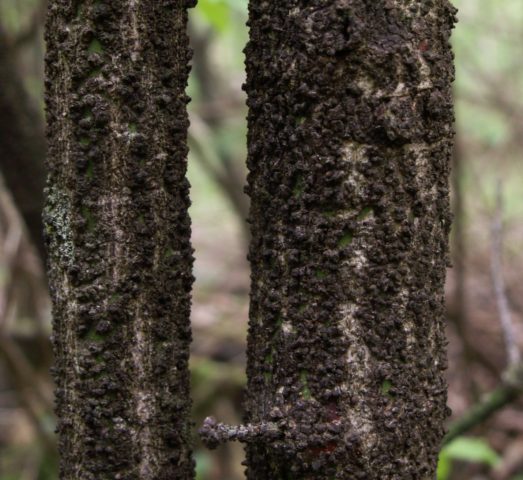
[(22, 144), (350, 138), (118, 235)]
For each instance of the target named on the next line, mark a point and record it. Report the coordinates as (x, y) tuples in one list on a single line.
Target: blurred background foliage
[(487, 191)]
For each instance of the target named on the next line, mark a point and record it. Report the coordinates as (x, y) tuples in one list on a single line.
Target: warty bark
[(118, 235), (350, 136)]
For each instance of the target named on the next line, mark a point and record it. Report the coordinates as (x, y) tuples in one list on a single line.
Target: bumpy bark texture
[(118, 235), (350, 133)]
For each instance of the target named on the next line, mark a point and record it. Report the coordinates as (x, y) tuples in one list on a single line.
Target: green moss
[(89, 218), (79, 9), (95, 46), (95, 72), (321, 274), (133, 128), (366, 213), (305, 391), (269, 358), (94, 336), (84, 141), (99, 358), (299, 187), (386, 387), (346, 239), (90, 170), (285, 474)]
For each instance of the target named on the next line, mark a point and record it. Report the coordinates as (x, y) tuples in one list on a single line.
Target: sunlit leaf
[(473, 450), (444, 466), (466, 449), (216, 12)]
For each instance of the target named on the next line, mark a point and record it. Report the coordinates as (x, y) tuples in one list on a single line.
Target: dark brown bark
[(22, 144), (350, 137), (118, 236)]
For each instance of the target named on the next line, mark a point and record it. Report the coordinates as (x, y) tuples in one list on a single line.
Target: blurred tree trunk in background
[(22, 144), (350, 138), (118, 236)]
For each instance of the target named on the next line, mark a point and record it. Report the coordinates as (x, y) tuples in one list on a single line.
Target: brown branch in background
[(220, 165), (22, 145), (217, 99), (26, 286), (508, 392), (458, 244), (204, 152), (511, 387), (33, 396), (459, 260), (23, 374), (221, 169), (24, 294), (496, 263), (33, 393), (203, 71)]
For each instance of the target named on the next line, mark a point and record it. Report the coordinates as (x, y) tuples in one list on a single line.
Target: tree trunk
[(118, 236), (350, 137), (22, 145)]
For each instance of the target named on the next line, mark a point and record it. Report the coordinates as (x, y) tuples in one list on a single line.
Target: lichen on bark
[(350, 135), (118, 236)]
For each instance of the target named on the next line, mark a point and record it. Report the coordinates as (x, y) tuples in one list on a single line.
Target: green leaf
[(203, 465), (216, 12), (473, 450), (444, 466)]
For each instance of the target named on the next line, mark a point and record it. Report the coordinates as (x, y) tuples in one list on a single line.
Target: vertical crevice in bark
[(350, 138), (118, 235)]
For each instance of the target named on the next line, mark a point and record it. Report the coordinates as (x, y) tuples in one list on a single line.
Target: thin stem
[(504, 395)]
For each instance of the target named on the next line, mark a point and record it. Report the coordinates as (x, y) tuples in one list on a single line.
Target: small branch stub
[(311, 442), (214, 433)]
